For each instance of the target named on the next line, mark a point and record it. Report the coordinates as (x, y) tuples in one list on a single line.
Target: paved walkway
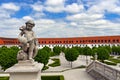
[(77, 74), (65, 69)]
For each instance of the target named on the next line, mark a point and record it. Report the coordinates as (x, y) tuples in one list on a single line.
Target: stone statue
[(28, 42)]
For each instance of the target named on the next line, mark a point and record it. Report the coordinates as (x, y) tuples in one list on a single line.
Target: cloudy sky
[(61, 18)]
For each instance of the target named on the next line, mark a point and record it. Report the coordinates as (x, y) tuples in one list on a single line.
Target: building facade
[(68, 42)]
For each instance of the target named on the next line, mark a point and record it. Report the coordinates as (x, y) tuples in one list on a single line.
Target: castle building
[(68, 42)]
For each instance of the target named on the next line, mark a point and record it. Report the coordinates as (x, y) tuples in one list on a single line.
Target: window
[(98, 40), (102, 41), (117, 40), (113, 40), (80, 41), (95, 41), (105, 40), (89, 41)]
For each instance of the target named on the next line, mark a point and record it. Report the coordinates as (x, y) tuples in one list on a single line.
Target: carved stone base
[(25, 70)]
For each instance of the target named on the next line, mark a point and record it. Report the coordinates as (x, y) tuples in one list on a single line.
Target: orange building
[(73, 41)]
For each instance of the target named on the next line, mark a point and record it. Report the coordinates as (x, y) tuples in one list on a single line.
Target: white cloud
[(10, 6), (54, 5), (107, 5), (80, 23), (55, 2), (55, 9), (27, 18), (37, 6), (84, 16), (73, 24), (74, 8)]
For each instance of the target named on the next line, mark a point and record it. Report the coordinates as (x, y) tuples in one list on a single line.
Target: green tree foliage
[(42, 56), (71, 55), (118, 48), (8, 56), (63, 49), (47, 49), (87, 51), (79, 49), (94, 51), (103, 53), (108, 48), (114, 49), (57, 50)]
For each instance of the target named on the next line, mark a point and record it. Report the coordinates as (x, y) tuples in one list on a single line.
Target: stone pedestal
[(25, 70)]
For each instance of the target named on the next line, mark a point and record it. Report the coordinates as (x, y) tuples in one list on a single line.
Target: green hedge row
[(110, 63), (4, 78), (55, 77), (55, 63)]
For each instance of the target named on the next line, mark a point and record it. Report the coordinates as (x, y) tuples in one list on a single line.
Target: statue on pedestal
[(26, 68), (28, 42)]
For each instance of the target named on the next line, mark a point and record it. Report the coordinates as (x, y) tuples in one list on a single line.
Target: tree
[(71, 55), (42, 56), (63, 49), (57, 50), (8, 57), (94, 51), (114, 49), (119, 50), (108, 48), (47, 49), (103, 54), (87, 51)]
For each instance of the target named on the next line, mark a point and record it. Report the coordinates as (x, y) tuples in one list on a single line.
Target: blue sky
[(61, 18)]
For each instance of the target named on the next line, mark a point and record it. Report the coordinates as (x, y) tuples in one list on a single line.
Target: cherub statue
[(28, 40)]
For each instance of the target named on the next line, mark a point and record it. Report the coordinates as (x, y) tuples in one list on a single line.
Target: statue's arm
[(35, 39)]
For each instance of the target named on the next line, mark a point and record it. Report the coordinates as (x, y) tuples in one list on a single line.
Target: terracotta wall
[(73, 40), (81, 40), (9, 41)]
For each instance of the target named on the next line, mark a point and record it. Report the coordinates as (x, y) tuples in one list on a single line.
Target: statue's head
[(30, 24)]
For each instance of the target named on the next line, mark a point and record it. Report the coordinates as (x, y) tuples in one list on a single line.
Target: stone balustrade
[(102, 71)]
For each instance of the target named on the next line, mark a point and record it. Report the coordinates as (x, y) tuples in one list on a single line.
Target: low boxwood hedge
[(55, 77), (110, 63), (55, 63), (4, 78)]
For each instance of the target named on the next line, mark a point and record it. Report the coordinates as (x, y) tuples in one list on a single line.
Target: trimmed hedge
[(55, 77), (55, 63), (110, 63), (45, 68), (115, 60), (4, 78)]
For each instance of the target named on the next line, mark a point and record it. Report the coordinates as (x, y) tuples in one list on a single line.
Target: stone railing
[(100, 70)]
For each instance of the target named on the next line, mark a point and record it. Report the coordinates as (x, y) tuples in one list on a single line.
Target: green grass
[(55, 63), (55, 77)]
